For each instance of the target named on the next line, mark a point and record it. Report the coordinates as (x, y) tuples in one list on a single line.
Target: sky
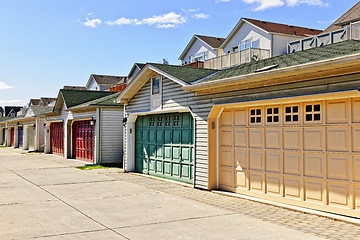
[(48, 44)]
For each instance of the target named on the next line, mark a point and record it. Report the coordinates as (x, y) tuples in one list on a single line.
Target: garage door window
[(312, 113), (255, 116), (292, 114), (272, 115)]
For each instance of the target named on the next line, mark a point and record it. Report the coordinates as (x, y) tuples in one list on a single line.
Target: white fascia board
[(192, 41), (89, 81)]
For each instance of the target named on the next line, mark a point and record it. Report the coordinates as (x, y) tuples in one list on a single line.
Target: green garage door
[(165, 146)]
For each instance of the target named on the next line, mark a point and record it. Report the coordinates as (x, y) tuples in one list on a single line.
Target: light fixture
[(34, 126), (124, 121), (92, 122), (44, 125)]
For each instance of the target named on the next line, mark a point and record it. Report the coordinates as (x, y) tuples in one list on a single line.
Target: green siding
[(165, 146)]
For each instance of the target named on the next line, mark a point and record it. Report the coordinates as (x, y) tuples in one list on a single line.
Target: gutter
[(286, 72)]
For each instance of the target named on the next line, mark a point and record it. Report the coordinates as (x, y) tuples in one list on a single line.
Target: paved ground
[(46, 197)]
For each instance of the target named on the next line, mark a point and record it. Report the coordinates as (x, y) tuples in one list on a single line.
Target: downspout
[(271, 45), (98, 136)]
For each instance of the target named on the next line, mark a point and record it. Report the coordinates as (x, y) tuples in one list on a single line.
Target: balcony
[(236, 58), (197, 64), (351, 31)]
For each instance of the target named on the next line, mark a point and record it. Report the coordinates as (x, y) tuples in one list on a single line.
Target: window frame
[(256, 116), (313, 112), (292, 113), (152, 85), (272, 115)]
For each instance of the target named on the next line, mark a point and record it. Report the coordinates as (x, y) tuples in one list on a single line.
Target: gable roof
[(72, 98), (107, 101), (34, 102), (185, 74), (105, 80), (212, 42), (271, 27), (352, 14), (136, 65)]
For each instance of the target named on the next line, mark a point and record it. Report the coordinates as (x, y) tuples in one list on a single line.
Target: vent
[(266, 68)]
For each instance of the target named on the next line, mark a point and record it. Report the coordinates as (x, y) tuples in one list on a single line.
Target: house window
[(160, 121), (313, 112), (292, 114), (255, 44), (255, 116), (245, 44), (176, 120), (168, 121), (272, 115), (199, 57), (235, 49), (156, 85), (152, 121)]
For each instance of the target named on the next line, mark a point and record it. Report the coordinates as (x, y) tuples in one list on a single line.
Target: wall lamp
[(92, 122), (125, 121)]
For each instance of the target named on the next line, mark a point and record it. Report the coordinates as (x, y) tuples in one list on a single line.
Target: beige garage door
[(305, 153)]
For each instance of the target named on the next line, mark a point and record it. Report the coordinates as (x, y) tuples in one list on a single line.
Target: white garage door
[(305, 153)]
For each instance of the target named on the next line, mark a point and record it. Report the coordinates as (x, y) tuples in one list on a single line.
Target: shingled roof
[(214, 42), (283, 28), (107, 101), (108, 80), (292, 59), (185, 74), (76, 97)]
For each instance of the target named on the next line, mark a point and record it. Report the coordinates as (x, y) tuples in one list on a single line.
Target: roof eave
[(261, 77)]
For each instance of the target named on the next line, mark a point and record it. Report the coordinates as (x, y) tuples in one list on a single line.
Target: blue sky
[(46, 44)]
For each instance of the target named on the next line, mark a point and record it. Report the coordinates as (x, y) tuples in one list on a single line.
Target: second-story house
[(199, 49), (102, 82), (250, 40)]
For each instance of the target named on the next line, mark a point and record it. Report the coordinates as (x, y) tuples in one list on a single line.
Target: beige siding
[(111, 136)]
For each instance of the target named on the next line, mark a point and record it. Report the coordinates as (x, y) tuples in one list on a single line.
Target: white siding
[(198, 47), (111, 135), (280, 44), (247, 31)]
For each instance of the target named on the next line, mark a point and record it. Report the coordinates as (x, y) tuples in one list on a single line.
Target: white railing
[(236, 58), (350, 32)]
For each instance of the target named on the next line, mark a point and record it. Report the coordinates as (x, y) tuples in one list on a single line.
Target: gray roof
[(108, 80)]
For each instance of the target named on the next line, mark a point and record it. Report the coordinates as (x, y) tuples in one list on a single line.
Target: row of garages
[(290, 134)]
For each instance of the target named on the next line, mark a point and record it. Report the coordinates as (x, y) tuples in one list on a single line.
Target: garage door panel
[(186, 154), (256, 159), (83, 140), (338, 166), (226, 118), (226, 176), (337, 139), (240, 135), (187, 136), (356, 139), (356, 197), (159, 151), (337, 111), (292, 188), (257, 181), (292, 163), (292, 138), (256, 138), (313, 139), (241, 159), (227, 156), (356, 111), (356, 168), (242, 179), (57, 138), (314, 165), (338, 194), (314, 191), (273, 184), (240, 117), (273, 161), (226, 136), (273, 138)]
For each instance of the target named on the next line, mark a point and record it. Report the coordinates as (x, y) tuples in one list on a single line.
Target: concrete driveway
[(47, 197)]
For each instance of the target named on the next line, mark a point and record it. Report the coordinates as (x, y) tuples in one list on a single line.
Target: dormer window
[(155, 85), (156, 93)]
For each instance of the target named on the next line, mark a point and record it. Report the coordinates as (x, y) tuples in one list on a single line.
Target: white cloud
[(201, 16), (121, 21), (167, 20), (92, 22), (267, 4), (3, 86)]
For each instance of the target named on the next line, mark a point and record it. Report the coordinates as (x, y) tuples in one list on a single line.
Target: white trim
[(217, 148), (190, 44)]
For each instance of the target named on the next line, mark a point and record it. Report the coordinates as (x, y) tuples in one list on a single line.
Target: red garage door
[(12, 136), (83, 141), (57, 138)]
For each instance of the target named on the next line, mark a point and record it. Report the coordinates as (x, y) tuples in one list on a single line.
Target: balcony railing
[(349, 32), (197, 64), (236, 58)]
